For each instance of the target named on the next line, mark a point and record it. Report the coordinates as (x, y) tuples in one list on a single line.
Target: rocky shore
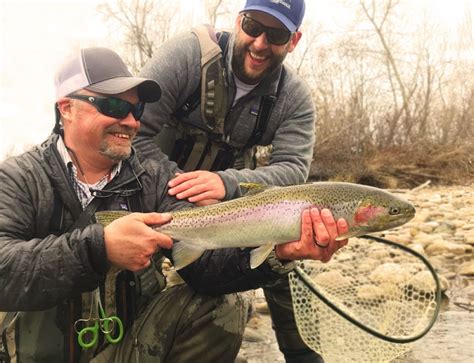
[(443, 232)]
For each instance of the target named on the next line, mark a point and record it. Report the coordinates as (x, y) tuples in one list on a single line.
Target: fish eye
[(394, 211)]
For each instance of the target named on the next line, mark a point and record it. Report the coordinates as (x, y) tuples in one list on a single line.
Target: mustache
[(261, 53), (115, 129)]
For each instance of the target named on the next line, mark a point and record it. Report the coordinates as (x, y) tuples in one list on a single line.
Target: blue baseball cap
[(289, 12)]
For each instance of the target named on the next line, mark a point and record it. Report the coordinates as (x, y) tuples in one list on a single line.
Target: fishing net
[(368, 304)]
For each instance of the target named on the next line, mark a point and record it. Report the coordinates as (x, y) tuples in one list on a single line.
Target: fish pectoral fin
[(353, 233), (108, 216), (184, 254), (258, 255)]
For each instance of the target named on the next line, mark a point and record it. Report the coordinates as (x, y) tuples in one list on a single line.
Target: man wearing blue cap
[(217, 107)]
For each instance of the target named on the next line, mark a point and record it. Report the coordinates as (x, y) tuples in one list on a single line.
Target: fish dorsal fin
[(184, 254), (253, 188), (258, 255)]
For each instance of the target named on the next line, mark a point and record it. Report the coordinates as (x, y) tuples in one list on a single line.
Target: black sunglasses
[(113, 107), (254, 28)]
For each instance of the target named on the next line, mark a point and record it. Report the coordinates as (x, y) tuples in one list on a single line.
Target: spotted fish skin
[(273, 216)]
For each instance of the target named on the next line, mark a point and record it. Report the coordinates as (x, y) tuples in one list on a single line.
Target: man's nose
[(261, 41), (130, 121)]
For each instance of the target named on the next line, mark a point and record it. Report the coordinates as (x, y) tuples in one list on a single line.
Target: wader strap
[(73, 310), (207, 43), (264, 113), (223, 41), (74, 306), (85, 217), (196, 156), (57, 217), (125, 283), (208, 51)]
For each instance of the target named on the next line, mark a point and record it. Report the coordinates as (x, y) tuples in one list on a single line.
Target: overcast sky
[(36, 35)]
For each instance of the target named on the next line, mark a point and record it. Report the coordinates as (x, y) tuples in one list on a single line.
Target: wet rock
[(370, 292), (428, 227), (468, 226), (252, 335), (390, 272), (469, 239), (424, 281), (444, 247), (446, 228), (403, 239), (418, 247), (332, 279), (467, 269), (262, 308), (240, 359)]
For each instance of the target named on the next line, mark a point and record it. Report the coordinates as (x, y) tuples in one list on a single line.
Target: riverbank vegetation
[(393, 88)]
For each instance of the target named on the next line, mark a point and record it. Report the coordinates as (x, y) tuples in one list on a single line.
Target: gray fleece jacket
[(290, 130)]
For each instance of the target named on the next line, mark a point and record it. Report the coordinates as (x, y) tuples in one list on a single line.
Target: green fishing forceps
[(88, 336)]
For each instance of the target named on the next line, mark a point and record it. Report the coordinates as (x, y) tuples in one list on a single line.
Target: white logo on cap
[(286, 4)]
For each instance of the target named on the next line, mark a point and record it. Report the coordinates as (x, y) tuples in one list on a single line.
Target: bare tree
[(145, 24), (383, 83)]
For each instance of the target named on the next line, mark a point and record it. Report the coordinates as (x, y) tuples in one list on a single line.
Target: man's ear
[(64, 107), (294, 41), (238, 19)]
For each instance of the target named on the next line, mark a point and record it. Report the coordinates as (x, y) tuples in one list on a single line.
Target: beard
[(113, 151), (240, 52)]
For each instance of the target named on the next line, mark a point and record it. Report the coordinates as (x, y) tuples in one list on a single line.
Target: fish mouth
[(410, 213)]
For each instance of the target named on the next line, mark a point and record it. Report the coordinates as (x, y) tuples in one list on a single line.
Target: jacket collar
[(57, 172)]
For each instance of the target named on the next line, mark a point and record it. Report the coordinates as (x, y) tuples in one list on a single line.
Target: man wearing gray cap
[(214, 113), (73, 290)]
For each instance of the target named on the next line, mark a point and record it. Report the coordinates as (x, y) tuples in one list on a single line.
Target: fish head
[(381, 211)]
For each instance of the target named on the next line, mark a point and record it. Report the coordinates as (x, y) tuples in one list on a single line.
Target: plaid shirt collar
[(83, 189)]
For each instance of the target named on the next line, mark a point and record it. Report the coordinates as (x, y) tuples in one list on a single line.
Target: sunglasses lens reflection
[(254, 29), (113, 107)]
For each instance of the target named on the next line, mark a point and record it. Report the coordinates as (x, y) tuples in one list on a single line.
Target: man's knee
[(232, 312), (211, 328)]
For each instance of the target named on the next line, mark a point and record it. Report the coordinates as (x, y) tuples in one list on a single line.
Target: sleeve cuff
[(280, 267)]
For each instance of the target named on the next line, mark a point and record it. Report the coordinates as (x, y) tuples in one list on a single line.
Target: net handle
[(307, 281)]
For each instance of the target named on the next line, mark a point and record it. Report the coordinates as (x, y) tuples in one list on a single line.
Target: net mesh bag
[(368, 304)]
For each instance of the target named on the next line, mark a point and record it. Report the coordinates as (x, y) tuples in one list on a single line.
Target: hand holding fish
[(200, 187), (130, 241), (319, 231)]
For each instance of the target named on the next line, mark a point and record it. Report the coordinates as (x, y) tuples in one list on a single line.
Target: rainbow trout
[(268, 216)]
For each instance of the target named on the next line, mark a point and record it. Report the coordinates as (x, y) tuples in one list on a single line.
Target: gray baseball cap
[(101, 70)]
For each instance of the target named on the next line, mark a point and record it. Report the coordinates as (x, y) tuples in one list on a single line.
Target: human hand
[(318, 237), (130, 241), (200, 187)]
